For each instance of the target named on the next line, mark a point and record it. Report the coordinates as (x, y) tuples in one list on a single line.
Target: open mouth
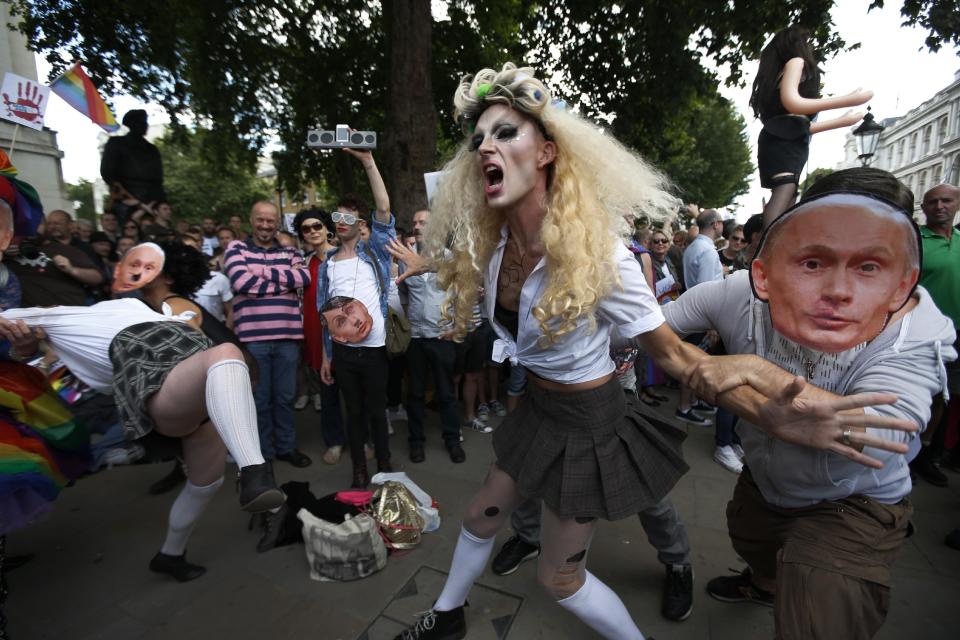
[(493, 178)]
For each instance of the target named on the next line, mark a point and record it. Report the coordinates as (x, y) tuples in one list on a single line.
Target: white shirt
[(210, 244), (81, 336), (355, 278), (581, 355), (214, 293)]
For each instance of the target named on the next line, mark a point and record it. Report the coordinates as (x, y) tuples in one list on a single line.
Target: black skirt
[(589, 453), (142, 357), (783, 148)]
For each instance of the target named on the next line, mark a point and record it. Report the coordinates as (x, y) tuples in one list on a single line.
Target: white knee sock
[(185, 512), (469, 559), (232, 411), (602, 610)]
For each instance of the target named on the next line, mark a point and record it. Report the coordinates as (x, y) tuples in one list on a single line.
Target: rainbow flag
[(78, 90)]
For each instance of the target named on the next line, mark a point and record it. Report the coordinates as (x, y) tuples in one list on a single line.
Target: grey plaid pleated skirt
[(589, 454), (142, 356)]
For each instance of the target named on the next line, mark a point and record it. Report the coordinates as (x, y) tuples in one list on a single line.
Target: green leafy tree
[(199, 184), (81, 194)]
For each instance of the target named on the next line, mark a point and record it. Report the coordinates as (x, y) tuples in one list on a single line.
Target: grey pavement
[(89, 578)]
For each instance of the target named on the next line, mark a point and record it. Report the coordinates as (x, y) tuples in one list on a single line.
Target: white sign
[(24, 100), (288, 219)]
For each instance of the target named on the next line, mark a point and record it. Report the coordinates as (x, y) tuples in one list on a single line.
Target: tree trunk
[(410, 140)]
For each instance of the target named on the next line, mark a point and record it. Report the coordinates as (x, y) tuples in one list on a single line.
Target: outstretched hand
[(363, 155), (821, 424), (414, 264)]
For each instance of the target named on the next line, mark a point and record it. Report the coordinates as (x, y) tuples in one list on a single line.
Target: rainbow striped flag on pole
[(78, 90)]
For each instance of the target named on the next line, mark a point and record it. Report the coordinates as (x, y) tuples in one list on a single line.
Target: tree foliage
[(252, 71), (813, 176), (200, 184), (81, 194)]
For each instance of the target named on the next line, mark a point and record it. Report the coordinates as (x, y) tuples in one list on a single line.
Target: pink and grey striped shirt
[(266, 281)]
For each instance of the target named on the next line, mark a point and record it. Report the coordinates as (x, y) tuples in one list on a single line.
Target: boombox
[(341, 138)]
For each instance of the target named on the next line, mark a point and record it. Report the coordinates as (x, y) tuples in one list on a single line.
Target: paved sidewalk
[(89, 578)]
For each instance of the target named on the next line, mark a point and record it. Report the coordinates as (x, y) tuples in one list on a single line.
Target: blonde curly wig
[(594, 182)]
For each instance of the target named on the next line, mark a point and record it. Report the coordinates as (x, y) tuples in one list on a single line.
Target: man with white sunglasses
[(360, 269)]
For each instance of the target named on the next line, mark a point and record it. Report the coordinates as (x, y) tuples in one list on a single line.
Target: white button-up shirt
[(580, 355)]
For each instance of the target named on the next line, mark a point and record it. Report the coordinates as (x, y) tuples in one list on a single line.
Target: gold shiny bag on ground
[(395, 510)]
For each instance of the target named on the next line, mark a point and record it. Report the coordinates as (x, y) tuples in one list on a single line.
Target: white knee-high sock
[(469, 559), (232, 411), (602, 610), (185, 512)]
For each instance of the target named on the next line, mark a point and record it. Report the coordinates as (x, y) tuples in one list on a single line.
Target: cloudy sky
[(891, 61)]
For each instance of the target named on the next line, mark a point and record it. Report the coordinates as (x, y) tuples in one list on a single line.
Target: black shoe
[(176, 567), (169, 482), (272, 526), (739, 588), (416, 453), (258, 489), (384, 466), (456, 452), (953, 539), (513, 552), (437, 625), (929, 470), (677, 602), (296, 458), (690, 417)]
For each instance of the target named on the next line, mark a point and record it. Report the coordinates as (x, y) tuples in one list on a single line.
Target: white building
[(36, 154), (922, 147)]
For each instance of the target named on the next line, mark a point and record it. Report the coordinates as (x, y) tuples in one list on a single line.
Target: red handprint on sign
[(27, 106)]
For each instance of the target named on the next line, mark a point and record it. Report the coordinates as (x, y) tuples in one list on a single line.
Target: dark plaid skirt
[(142, 356), (589, 453)]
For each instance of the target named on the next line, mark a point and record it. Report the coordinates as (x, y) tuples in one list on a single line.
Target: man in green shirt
[(941, 277)]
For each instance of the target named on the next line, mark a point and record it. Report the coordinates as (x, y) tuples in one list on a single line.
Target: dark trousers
[(398, 366), (440, 355), (361, 373), (726, 433)]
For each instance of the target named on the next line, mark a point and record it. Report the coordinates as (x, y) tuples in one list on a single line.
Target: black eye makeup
[(503, 132)]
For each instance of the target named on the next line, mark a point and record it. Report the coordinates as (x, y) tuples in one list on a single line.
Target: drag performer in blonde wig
[(593, 182), (532, 209)]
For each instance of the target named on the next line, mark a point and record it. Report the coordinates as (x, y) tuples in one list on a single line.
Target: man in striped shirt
[(266, 278)]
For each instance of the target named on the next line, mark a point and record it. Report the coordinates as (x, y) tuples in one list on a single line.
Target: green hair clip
[(483, 90)]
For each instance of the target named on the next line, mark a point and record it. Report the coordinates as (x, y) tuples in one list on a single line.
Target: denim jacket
[(380, 234)]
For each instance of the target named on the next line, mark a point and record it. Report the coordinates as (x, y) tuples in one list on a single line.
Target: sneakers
[(677, 601), (483, 411), (727, 458), (513, 552), (258, 489), (317, 404), (300, 403), (739, 588), (479, 425), (398, 413), (437, 625), (703, 407), (332, 454), (737, 449), (497, 407), (690, 417)]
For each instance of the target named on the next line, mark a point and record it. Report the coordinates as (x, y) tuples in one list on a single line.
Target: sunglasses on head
[(314, 226)]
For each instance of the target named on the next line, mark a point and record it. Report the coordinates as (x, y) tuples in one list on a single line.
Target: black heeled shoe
[(258, 489), (176, 567)]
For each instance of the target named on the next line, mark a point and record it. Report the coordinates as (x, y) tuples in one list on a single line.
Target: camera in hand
[(341, 138)]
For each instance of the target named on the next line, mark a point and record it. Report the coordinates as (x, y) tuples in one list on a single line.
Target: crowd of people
[(551, 286)]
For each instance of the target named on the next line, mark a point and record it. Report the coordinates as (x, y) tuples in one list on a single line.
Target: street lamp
[(868, 136)]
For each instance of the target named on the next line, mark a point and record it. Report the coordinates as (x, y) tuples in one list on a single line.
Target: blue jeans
[(277, 360)]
